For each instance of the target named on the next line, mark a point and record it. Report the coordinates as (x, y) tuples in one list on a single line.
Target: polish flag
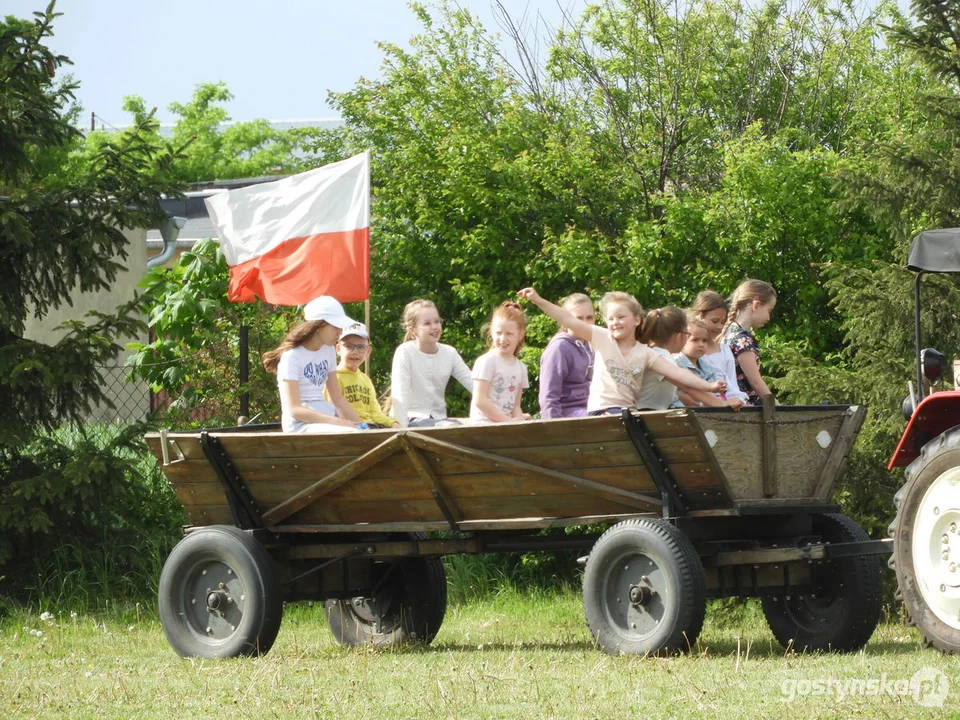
[(294, 239)]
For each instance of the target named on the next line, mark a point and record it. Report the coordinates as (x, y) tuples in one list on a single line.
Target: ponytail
[(746, 293), (662, 324)]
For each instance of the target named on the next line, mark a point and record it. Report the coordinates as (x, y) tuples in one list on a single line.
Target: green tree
[(61, 230)]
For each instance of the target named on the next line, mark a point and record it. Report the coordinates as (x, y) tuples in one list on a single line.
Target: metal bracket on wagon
[(245, 511)]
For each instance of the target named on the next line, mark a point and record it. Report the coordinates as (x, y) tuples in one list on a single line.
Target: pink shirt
[(617, 377)]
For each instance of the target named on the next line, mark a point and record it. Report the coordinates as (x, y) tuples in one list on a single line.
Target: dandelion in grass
[(46, 616)]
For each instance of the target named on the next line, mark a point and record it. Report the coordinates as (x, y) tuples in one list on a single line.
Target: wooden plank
[(209, 515), (494, 508), (522, 468), (331, 481), (371, 485), (498, 436), (461, 487), (581, 455), (524, 523), (444, 502), (723, 498), (768, 439), (681, 449), (842, 445)]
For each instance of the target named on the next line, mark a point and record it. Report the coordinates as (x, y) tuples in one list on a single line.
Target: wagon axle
[(641, 593)]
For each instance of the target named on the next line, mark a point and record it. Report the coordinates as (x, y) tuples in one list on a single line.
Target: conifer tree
[(62, 216)]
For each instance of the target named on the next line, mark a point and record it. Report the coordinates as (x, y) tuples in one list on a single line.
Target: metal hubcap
[(213, 600), (935, 547), (632, 595)]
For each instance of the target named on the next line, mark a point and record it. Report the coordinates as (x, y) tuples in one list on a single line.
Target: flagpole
[(366, 321)]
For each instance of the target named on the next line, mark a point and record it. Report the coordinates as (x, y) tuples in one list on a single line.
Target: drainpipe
[(169, 228)]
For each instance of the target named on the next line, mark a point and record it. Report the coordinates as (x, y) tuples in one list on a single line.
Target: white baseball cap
[(358, 329), (327, 308)]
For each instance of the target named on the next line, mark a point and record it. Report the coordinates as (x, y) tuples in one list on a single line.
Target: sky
[(279, 58)]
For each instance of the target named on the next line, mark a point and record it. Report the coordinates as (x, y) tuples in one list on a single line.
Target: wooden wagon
[(700, 503)]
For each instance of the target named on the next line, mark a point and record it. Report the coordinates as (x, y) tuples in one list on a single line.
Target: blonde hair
[(508, 310), (616, 297), (695, 319), (662, 324), (410, 312), (576, 299), (708, 301), (746, 293), (295, 338)]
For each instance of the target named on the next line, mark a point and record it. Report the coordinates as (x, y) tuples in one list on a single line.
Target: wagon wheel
[(644, 590), (844, 609), (926, 542), (407, 605), (218, 596)]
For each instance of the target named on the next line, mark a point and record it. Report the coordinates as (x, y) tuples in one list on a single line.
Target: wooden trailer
[(699, 503)]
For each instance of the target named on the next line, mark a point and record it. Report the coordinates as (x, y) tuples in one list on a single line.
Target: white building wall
[(132, 400)]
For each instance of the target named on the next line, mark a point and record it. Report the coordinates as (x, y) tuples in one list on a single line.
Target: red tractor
[(926, 531)]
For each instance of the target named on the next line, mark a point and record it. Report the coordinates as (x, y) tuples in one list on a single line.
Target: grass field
[(513, 656)]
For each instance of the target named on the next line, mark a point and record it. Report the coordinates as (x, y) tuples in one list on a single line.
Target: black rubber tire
[(667, 623), (937, 457), (408, 606), (845, 609), (251, 605)]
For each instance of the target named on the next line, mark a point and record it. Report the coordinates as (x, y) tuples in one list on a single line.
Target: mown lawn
[(516, 656)]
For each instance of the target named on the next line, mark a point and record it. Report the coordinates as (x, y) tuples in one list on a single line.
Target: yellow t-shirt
[(358, 390)]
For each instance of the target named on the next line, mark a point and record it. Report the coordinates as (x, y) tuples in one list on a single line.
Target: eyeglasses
[(349, 347)]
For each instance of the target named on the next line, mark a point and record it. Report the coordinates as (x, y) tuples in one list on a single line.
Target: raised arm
[(581, 330), (684, 378)]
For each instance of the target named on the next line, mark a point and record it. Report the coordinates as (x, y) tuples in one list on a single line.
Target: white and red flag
[(294, 239)]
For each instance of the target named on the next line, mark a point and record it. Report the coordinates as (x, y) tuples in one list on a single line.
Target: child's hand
[(719, 387), (530, 294), (735, 403)]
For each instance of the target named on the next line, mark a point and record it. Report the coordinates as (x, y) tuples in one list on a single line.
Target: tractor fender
[(936, 414)]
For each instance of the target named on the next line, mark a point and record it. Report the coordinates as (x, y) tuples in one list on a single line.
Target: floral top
[(741, 340)]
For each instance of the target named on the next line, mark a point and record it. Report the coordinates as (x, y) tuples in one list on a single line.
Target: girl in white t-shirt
[(712, 309), (622, 359), (498, 375), (305, 363), (665, 332), (422, 367)]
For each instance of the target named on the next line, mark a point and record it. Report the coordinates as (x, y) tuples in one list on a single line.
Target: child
[(357, 389), (498, 376), (665, 332), (422, 367), (566, 366), (691, 358), (750, 308), (711, 308), (304, 364), (618, 376)]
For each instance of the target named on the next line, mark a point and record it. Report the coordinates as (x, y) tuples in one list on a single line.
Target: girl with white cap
[(305, 363)]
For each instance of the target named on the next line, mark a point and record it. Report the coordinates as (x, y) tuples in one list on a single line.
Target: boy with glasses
[(357, 389)]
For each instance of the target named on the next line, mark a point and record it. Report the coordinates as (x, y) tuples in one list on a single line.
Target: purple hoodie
[(566, 368)]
